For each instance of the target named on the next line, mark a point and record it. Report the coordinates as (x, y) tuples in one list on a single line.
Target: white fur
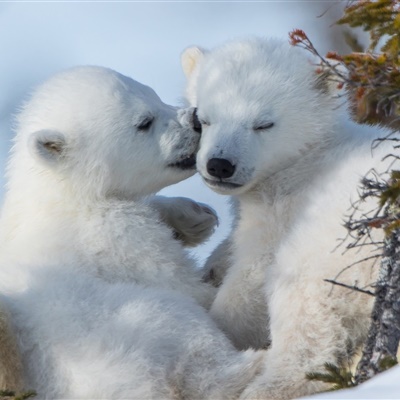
[(293, 184), (104, 302)]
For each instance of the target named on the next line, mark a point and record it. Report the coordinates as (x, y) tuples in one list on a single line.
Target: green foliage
[(371, 78), (379, 18), (387, 363), (374, 78), (339, 378), (10, 395), (392, 192)]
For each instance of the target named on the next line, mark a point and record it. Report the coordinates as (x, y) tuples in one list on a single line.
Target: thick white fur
[(218, 263), (104, 302), (293, 184)]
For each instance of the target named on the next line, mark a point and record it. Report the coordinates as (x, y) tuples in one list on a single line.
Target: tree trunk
[(384, 334)]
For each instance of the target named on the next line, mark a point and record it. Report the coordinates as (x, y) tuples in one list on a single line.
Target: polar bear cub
[(104, 302), (274, 138)]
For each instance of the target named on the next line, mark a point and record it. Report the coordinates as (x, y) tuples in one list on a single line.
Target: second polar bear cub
[(274, 138), (104, 302)]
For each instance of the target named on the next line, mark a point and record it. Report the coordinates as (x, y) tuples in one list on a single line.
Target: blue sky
[(142, 40)]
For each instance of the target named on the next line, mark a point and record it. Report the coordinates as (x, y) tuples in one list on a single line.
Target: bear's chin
[(187, 163), (223, 187)]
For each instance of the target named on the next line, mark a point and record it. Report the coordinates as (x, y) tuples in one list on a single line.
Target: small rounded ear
[(190, 58), (47, 145)]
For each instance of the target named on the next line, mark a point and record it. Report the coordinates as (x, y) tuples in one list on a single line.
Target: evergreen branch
[(26, 395), (11, 395), (339, 378)]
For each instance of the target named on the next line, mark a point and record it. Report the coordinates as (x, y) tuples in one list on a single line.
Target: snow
[(383, 386)]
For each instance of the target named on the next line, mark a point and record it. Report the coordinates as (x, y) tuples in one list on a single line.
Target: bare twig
[(351, 287)]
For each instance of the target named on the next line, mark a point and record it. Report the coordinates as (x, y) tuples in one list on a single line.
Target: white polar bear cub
[(104, 302), (274, 138)]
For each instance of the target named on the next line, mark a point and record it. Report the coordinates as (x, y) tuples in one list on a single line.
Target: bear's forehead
[(244, 78), (88, 92), (245, 94), (96, 84), (255, 62)]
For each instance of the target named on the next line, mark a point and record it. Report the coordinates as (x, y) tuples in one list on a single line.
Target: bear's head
[(102, 134), (262, 107)]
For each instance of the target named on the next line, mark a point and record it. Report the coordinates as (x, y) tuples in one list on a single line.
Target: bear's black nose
[(220, 168)]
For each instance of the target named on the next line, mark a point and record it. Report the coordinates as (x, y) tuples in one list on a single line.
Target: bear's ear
[(47, 145), (190, 58)]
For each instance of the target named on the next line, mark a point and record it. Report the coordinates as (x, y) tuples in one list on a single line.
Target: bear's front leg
[(192, 222), (217, 265), (310, 326), (240, 307)]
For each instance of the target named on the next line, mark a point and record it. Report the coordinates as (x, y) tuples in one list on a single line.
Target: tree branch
[(356, 288)]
